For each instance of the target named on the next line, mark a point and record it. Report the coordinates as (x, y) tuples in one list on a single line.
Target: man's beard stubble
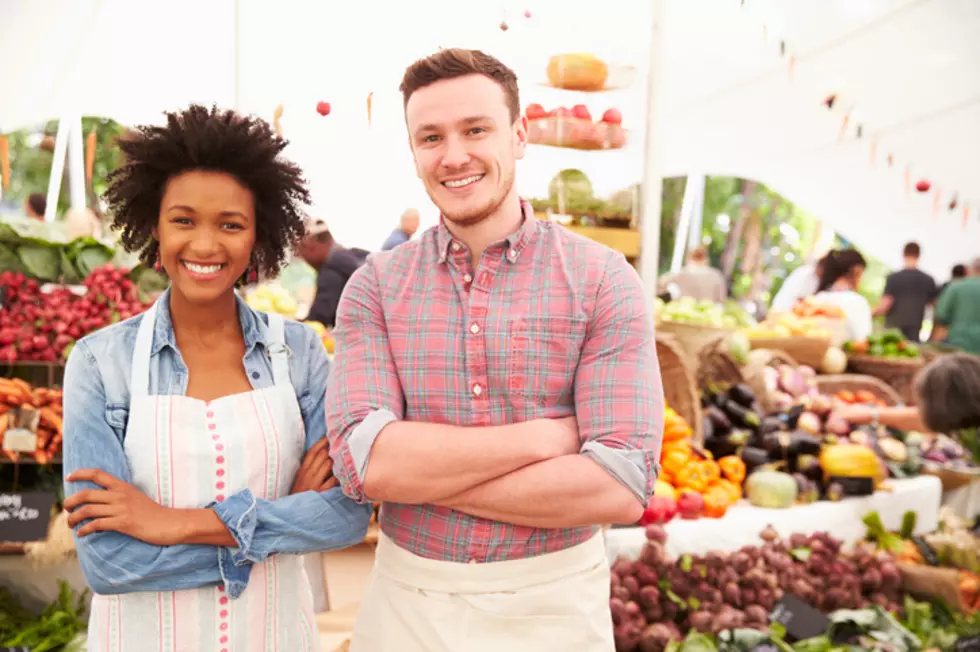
[(472, 217)]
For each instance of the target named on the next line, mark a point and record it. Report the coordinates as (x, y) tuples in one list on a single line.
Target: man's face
[(465, 146), (313, 251)]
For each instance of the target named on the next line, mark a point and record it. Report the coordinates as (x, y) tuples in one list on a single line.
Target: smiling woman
[(197, 468)]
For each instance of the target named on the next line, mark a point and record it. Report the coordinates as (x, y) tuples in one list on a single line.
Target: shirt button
[(255, 375), (475, 328), (468, 278), (477, 389), (456, 246), (512, 255)]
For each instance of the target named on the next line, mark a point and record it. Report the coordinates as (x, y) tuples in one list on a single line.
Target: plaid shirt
[(551, 324)]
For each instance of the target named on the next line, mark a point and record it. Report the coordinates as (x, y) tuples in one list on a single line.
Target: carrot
[(50, 419)]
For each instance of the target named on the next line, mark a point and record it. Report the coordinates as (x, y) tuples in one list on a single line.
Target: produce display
[(272, 297), (578, 71), (811, 307), (60, 626), (656, 599), (16, 397), (570, 192), (574, 127), (704, 312), (41, 324), (886, 344), (692, 482), (788, 324), (42, 251)]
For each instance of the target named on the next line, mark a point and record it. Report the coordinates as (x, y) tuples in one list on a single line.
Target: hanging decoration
[(503, 26), (4, 162), (831, 99), (527, 13), (936, 196), (953, 202), (860, 131), (323, 108), (891, 160), (369, 98), (90, 142), (874, 152), (923, 185), (966, 214), (843, 127), (908, 179), (782, 48)]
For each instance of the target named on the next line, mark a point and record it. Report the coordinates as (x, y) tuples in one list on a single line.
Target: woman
[(186, 427), (842, 272), (947, 390)]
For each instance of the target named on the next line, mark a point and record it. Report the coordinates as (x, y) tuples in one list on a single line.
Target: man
[(959, 311), (334, 265), (959, 271), (36, 205), (907, 293), (498, 392), (698, 279), (802, 282), (407, 226)]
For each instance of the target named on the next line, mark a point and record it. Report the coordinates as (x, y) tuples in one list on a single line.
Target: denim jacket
[(96, 408)]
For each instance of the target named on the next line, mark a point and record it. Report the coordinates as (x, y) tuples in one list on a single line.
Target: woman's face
[(206, 232), (857, 272)]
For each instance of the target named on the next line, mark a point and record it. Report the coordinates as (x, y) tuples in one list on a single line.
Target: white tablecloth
[(743, 522)]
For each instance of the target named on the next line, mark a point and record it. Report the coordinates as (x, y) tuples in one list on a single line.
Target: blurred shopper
[(698, 279), (334, 264), (959, 311), (907, 293), (35, 206), (407, 226), (802, 282), (842, 272)]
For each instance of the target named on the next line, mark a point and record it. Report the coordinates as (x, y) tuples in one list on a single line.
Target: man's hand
[(123, 508), (316, 472)]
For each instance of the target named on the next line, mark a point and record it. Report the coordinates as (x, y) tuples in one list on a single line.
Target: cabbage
[(42, 262)]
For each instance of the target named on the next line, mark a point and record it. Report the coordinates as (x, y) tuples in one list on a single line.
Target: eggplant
[(774, 443), (720, 420), (726, 444), (803, 443), (742, 394), (741, 416), (708, 427), (772, 423), (754, 457), (792, 416), (809, 466)]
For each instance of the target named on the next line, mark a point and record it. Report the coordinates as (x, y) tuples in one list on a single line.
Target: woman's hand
[(316, 471), (121, 507), (859, 415)]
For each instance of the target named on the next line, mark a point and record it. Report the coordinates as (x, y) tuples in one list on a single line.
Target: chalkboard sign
[(967, 644), (800, 619), (927, 551), (25, 517)]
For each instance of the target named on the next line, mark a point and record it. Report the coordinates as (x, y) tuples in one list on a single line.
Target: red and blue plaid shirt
[(551, 324)]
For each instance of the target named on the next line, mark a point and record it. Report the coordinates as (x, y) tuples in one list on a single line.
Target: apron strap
[(139, 384), (277, 351)]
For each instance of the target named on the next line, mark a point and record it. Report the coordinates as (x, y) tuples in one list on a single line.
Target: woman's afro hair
[(217, 140)]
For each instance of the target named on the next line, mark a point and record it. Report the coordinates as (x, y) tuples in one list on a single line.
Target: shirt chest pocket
[(542, 357)]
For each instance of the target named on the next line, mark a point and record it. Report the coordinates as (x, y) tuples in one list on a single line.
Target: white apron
[(551, 603), (184, 453)]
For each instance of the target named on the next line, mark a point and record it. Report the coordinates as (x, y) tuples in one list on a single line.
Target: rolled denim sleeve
[(619, 401), (112, 562), (367, 394), (301, 523)]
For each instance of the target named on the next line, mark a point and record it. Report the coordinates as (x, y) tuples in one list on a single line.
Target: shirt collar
[(254, 328), (514, 243)]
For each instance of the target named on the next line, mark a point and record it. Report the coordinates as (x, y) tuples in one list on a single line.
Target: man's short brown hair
[(458, 62)]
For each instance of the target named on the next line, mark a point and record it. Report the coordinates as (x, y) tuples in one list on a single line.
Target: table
[(743, 522)]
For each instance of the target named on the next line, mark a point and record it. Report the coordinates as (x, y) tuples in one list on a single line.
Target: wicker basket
[(753, 372), (951, 479), (680, 390), (898, 372), (805, 350), (716, 365), (830, 385), (692, 338)]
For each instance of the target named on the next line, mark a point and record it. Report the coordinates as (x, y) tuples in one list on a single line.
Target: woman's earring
[(157, 265), (252, 274)]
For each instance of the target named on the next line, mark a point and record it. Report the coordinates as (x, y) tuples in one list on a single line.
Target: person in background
[(959, 271), (334, 264), (802, 282), (842, 272), (947, 390), (698, 280), (35, 206), (959, 311), (407, 226), (497, 389), (907, 293)]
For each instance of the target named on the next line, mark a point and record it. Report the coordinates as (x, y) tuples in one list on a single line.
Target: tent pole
[(57, 169), (76, 165), (652, 166), (697, 215)]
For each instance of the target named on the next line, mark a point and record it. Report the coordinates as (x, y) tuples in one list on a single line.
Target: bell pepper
[(710, 471), (674, 462), (715, 506), (733, 468), (697, 475), (731, 491)]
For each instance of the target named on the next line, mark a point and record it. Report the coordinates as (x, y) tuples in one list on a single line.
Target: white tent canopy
[(907, 70)]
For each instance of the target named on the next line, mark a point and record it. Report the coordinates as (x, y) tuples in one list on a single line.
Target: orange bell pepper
[(730, 490), (709, 471), (674, 462), (691, 477), (715, 506), (733, 468)]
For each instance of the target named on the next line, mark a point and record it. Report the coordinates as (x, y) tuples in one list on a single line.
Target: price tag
[(21, 435), (25, 517), (800, 619), (927, 551)]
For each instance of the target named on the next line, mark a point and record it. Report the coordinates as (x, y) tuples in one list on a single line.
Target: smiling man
[(497, 390)]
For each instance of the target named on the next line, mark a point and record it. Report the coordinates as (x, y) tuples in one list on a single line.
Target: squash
[(771, 489), (852, 461)]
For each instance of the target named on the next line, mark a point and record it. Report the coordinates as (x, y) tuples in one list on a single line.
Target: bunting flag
[(966, 214), (874, 151), (369, 98)]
